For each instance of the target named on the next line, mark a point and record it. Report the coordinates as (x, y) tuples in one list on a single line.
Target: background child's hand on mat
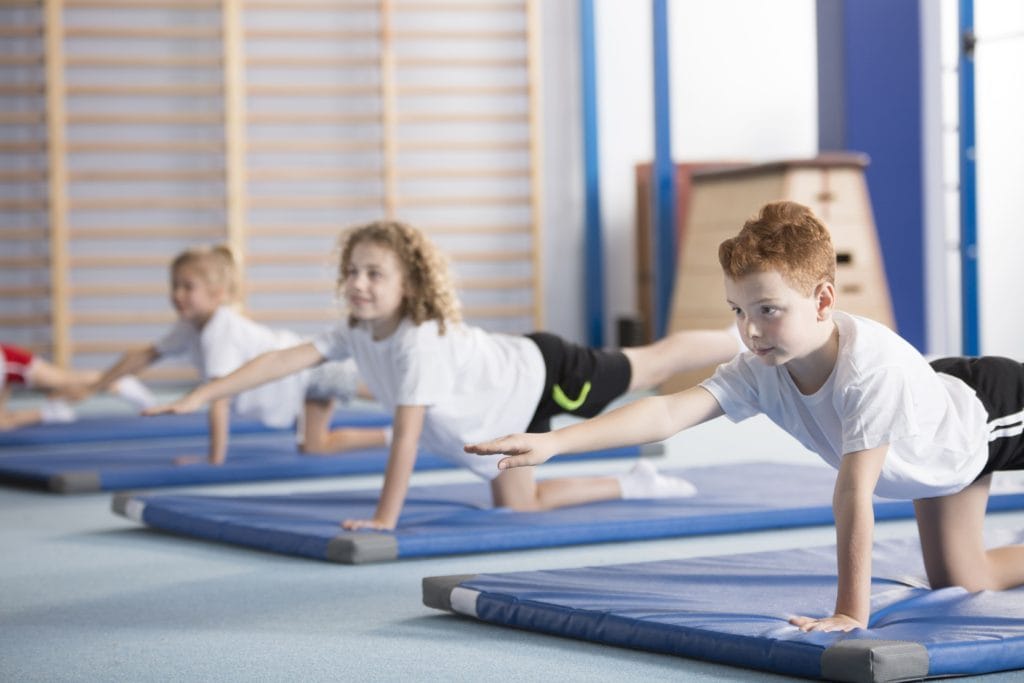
[(523, 449), (186, 404)]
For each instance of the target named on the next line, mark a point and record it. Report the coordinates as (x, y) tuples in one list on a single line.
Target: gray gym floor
[(89, 596)]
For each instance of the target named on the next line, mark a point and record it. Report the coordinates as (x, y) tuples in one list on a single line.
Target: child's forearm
[(644, 421), (405, 440), (220, 426), (855, 523), (396, 483), (262, 369), (130, 363)]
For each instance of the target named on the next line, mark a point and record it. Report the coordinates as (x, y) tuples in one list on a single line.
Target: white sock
[(56, 410), (135, 392), (644, 481)]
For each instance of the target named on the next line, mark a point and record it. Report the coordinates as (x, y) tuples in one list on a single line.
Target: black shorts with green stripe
[(579, 380)]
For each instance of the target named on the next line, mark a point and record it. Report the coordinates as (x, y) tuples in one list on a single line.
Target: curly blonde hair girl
[(429, 293)]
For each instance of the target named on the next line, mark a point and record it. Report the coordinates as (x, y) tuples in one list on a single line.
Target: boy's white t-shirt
[(881, 391), (229, 340), (476, 385)]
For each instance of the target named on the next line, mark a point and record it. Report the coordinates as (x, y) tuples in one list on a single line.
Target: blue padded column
[(663, 240), (881, 53), (970, 324), (593, 268)]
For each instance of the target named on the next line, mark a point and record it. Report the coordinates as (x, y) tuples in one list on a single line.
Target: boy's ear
[(825, 297)]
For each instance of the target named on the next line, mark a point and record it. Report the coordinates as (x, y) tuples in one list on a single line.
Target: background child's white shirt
[(476, 385), (229, 340), (881, 391)]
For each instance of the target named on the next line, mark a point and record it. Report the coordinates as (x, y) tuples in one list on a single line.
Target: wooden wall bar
[(135, 128)]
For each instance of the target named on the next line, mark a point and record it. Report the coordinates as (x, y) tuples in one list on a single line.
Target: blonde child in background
[(217, 339), (19, 366), (855, 393), (448, 383)]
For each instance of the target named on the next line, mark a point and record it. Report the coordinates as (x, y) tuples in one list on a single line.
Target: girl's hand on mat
[(356, 524), (186, 404), (523, 450), (836, 622)]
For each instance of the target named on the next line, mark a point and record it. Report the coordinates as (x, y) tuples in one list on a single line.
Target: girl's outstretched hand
[(522, 450)]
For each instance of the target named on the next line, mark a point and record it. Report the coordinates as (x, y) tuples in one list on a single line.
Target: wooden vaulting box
[(832, 185)]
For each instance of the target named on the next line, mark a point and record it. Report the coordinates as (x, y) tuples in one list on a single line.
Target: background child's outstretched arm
[(649, 419), (855, 524), (405, 439), (130, 363), (262, 369)]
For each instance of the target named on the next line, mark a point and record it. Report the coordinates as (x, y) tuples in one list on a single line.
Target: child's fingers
[(157, 410), (356, 524), (518, 461), (505, 444)]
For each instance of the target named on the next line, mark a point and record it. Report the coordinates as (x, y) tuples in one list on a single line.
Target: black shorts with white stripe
[(999, 383)]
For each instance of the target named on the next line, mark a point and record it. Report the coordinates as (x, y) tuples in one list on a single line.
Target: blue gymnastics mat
[(131, 427), (735, 610), (152, 465), (453, 519)]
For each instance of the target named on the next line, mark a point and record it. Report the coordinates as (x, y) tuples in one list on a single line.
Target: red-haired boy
[(855, 393)]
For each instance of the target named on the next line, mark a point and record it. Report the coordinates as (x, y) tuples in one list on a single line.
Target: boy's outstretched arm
[(262, 369), (405, 440), (649, 419), (855, 524)]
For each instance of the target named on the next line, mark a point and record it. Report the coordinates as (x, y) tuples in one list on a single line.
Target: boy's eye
[(768, 310)]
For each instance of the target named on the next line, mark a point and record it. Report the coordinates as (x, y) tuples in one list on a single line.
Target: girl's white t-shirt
[(229, 340), (476, 385), (881, 391)]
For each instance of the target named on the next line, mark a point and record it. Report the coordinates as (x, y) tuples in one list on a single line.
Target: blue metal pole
[(968, 188), (664, 194), (593, 267)]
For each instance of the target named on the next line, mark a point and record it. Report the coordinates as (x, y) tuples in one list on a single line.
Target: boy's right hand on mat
[(522, 450)]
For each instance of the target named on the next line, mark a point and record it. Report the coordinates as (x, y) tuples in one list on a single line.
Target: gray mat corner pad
[(75, 482), (119, 502), (651, 449), (361, 548), (874, 661), (437, 590)]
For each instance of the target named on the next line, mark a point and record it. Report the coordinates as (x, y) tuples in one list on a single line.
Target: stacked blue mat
[(453, 519), (735, 610), (135, 427)]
